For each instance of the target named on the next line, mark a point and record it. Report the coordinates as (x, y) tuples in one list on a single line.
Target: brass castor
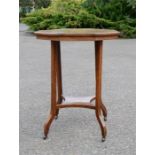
[(105, 119), (103, 139), (45, 137)]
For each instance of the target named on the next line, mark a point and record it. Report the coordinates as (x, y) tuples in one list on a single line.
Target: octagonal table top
[(77, 34)]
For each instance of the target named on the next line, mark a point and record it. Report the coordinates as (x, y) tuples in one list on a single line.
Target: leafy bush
[(77, 14), (63, 14), (121, 12), (42, 3), (111, 9), (25, 6)]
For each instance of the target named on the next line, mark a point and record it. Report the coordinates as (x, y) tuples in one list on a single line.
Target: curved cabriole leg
[(53, 88), (102, 127), (98, 104), (47, 125), (104, 111)]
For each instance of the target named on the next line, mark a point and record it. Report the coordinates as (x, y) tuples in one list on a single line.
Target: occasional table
[(58, 35)]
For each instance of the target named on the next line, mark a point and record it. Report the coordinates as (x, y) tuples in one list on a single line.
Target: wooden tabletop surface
[(69, 34)]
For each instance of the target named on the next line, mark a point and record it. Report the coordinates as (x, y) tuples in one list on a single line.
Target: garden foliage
[(112, 14)]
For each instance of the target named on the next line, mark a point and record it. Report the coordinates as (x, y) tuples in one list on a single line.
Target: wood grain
[(77, 34)]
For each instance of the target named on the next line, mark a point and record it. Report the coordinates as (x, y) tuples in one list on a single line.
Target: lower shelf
[(76, 105)]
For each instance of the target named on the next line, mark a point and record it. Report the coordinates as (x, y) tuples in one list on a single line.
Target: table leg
[(53, 89), (99, 105), (59, 76), (104, 110)]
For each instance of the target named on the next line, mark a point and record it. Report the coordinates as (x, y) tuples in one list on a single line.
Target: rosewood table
[(58, 35)]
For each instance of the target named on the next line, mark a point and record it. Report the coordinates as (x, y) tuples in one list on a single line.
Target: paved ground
[(23, 27), (76, 132)]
